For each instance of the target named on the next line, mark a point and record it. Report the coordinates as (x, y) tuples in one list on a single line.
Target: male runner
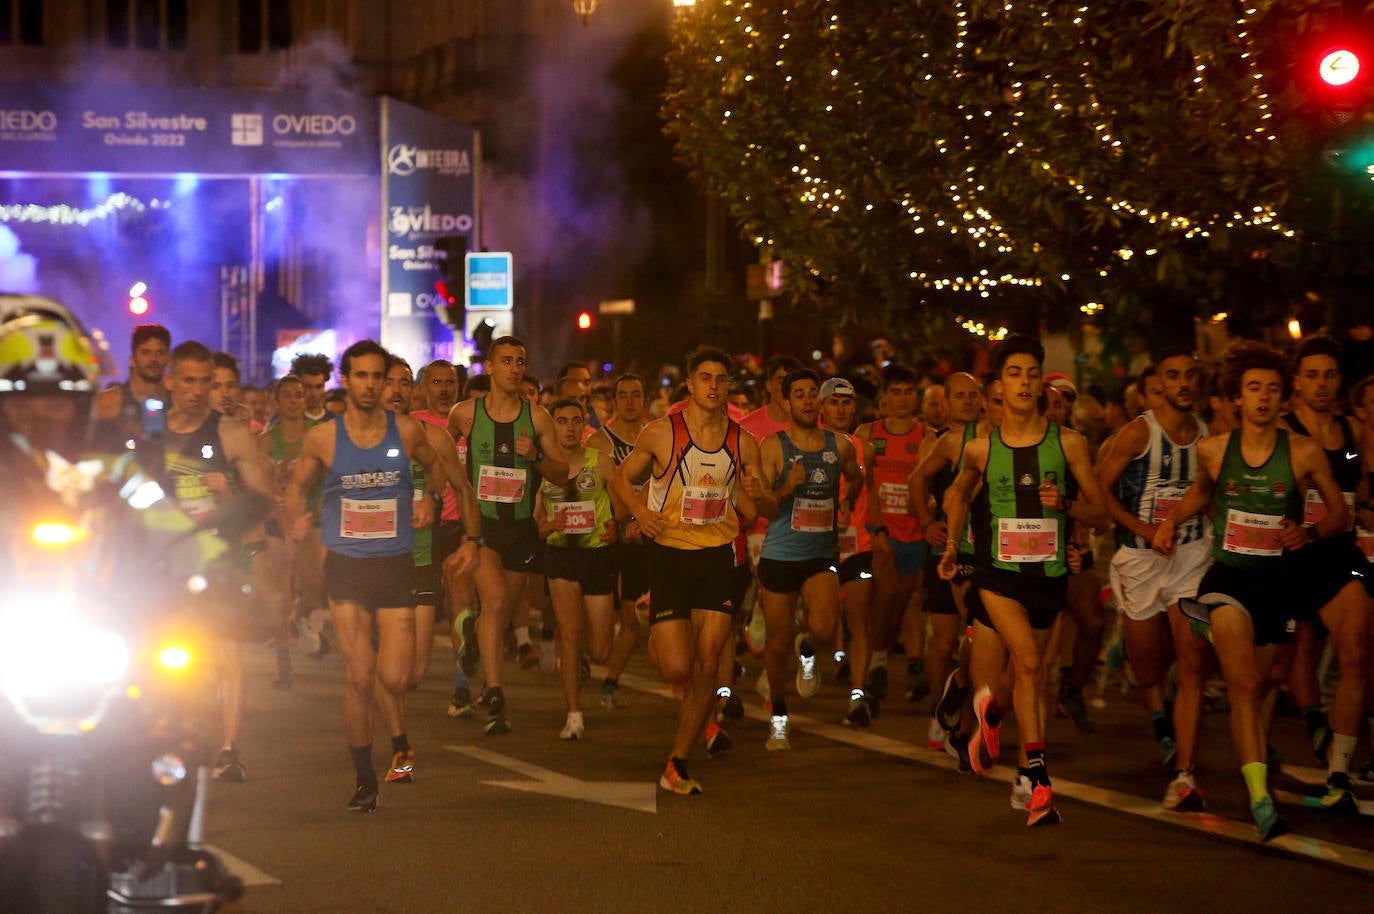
[(1152, 463), (367, 524), (1254, 478), (704, 484), (119, 408), (314, 370), (511, 448), (802, 466), (1026, 468)]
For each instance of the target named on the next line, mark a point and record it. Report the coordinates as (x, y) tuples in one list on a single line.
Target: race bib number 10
[(1022, 540), (373, 519), (505, 485)]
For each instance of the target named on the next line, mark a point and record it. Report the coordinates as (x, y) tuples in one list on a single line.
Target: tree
[(1015, 164)]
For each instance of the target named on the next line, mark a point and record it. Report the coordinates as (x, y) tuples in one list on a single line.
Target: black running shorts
[(593, 569), (386, 582), (681, 580)]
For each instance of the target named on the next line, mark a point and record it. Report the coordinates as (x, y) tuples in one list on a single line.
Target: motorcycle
[(104, 669)]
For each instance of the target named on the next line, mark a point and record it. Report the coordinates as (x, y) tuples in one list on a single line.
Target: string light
[(62, 214)]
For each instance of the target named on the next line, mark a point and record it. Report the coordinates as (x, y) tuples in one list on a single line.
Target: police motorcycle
[(105, 592)]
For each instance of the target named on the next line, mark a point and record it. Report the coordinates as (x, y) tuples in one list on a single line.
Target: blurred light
[(137, 289), (1295, 329), (1339, 67), (53, 534), (584, 321), (607, 367), (138, 305), (174, 657)]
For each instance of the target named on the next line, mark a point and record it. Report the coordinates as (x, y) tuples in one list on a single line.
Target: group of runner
[(958, 524)]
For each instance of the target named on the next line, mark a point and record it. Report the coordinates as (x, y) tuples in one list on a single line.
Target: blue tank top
[(368, 499), (805, 525)]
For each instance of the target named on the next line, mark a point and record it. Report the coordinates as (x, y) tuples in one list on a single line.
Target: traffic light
[(138, 302), (446, 305), (584, 320), (449, 251), (1339, 66)]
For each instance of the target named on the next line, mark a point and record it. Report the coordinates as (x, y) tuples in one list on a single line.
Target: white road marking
[(246, 871), (636, 795), (1328, 851)]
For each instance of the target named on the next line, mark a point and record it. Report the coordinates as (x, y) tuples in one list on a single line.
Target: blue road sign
[(488, 281)]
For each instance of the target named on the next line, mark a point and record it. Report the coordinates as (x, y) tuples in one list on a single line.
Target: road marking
[(1366, 807), (636, 795), (241, 868), (1328, 851)]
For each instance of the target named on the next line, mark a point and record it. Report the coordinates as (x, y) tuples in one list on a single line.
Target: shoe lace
[(808, 667), (779, 725)]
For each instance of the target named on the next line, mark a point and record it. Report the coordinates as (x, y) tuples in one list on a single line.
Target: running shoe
[(935, 735), (229, 768), (460, 705), (364, 799), (877, 682), (611, 697), (1183, 794), (465, 629), (402, 768), (731, 706), (986, 740), (859, 714), (307, 639), (677, 780), (717, 740), (1072, 706), (949, 710), (1366, 775), (494, 700), (1268, 823), (526, 656), (1021, 791), (920, 686), (777, 734), (1340, 794), (548, 655), (574, 727), (808, 677), (1168, 751), (956, 747), (1041, 810)]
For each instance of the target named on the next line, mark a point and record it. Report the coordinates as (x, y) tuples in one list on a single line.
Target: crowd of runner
[(960, 521)]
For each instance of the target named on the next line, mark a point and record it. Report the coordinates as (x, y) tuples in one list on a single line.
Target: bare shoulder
[(108, 402)]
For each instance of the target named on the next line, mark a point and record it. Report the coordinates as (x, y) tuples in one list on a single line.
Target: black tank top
[(1344, 459), (190, 456)]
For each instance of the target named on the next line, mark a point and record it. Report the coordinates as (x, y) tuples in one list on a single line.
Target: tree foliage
[(1014, 163)]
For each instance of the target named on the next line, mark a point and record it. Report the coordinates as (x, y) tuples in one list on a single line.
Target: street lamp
[(584, 8)]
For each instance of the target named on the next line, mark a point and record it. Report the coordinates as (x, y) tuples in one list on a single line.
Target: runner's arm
[(1111, 463)]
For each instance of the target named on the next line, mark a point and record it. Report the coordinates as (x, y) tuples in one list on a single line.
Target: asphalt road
[(848, 820)]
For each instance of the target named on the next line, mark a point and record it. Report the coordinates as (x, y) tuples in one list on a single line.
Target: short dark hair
[(1316, 345), (702, 354), (1252, 355), (1175, 351), (564, 403), (145, 332), (477, 384), (392, 360), (335, 394), (897, 374), (567, 370), (191, 351), (506, 340), (798, 374), (789, 362), (225, 360), (360, 348), (312, 363), (630, 377), (284, 380), (1017, 344), (1149, 371)]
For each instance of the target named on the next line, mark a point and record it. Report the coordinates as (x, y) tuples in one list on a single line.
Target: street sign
[(488, 285)]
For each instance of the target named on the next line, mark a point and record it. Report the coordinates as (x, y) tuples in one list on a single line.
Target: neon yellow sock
[(1256, 776)]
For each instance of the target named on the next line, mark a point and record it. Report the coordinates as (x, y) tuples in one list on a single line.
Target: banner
[(429, 202), (208, 132)]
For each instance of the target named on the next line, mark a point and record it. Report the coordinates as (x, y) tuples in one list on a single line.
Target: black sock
[(1314, 719), (610, 683), (1163, 726), (680, 764), (1035, 766), (806, 650), (779, 707), (362, 764), (913, 667), (400, 743)]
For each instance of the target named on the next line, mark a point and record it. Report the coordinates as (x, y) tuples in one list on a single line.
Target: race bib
[(1314, 509), (505, 485), (892, 496), (1252, 534), (703, 505), (849, 541), (1021, 540), (813, 515), (1166, 500), (370, 519), (575, 516)]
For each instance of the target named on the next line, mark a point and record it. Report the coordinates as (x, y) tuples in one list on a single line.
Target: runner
[(1253, 477), (369, 515), (579, 526), (802, 466), (1027, 468), (119, 408), (314, 370), (1153, 462), (704, 484), (511, 448)]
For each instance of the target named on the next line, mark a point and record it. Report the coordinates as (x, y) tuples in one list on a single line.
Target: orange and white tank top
[(696, 492)]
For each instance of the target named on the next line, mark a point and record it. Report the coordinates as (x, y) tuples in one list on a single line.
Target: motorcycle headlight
[(57, 670), (174, 657)]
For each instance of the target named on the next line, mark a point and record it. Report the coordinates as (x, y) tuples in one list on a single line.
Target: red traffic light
[(138, 305), (1338, 66), (584, 321)]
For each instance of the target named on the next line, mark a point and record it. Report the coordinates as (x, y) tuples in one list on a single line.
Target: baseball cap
[(1062, 383), (836, 387)]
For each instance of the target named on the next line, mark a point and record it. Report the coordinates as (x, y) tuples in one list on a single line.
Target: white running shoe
[(777, 734), (574, 728), (1183, 794), (1021, 790), (808, 680), (935, 735)]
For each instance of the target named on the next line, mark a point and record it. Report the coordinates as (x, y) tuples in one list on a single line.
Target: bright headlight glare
[(46, 655), (54, 534), (174, 657), (169, 769)]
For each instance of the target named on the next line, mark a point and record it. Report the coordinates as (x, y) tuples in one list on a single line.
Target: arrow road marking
[(246, 871), (635, 795)]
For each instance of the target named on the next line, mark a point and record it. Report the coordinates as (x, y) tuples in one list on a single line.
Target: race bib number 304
[(575, 516), (505, 485), (1252, 534), (1022, 540), (374, 519)]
